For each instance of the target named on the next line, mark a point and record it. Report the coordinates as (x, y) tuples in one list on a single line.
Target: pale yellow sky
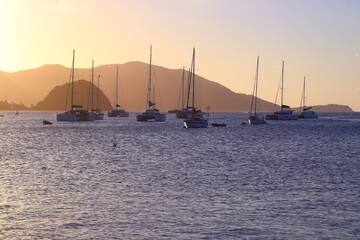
[(318, 39)]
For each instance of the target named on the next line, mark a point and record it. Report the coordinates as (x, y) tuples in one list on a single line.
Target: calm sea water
[(283, 180)]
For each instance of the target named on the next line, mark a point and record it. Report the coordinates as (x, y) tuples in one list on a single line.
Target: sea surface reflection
[(296, 179)]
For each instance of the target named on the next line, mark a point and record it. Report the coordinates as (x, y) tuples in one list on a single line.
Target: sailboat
[(151, 114), (285, 112), (95, 113), (305, 112), (76, 112), (117, 112), (184, 112), (193, 119), (254, 118)]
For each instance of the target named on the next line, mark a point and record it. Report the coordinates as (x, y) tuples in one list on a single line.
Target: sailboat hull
[(191, 123), (181, 114), (282, 115), (256, 120), (75, 116), (97, 115), (118, 113), (308, 115), (152, 115), (187, 113)]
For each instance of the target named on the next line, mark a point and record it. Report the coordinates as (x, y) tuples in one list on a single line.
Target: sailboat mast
[(256, 82), (149, 83), (153, 94), (282, 86), (72, 81), (304, 95), (92, 85), (98, 92), (193, 81), (116, 88), (188, 89), (182, 88)]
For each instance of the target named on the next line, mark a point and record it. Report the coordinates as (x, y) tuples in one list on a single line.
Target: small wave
[(5, 207), (72, 225)]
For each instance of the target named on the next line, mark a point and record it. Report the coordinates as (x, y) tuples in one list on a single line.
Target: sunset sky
[(319, 39)]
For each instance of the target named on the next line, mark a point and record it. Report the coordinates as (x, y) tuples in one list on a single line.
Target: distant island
[(56, 99), (332, 108), (46, 88), (5, 105)]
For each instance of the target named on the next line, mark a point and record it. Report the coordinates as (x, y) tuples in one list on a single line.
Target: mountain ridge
[(33, 85)]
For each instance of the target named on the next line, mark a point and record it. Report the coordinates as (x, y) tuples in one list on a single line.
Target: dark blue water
[(283, 180)]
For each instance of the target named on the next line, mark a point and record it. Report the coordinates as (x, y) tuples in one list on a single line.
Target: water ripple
[(284, 180)]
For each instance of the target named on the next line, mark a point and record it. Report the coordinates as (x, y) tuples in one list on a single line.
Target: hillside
[(32, 87), (4, 105), (56, 99), (332, 108)]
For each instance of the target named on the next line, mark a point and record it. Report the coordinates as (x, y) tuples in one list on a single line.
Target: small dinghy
[(45, 122), (218, 124)]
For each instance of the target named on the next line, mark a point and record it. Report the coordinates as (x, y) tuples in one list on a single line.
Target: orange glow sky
[(317, 39)]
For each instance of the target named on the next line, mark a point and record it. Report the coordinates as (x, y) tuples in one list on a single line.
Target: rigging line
[(116, 88), (188, 89), (148, 96), (98, 92), (258, 100), (89, 93), (71, 78), (256, 84), (144, 91), (67, 96), (158, 95), (181, 92), (252, 99), (277, 93), (302, 100)]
